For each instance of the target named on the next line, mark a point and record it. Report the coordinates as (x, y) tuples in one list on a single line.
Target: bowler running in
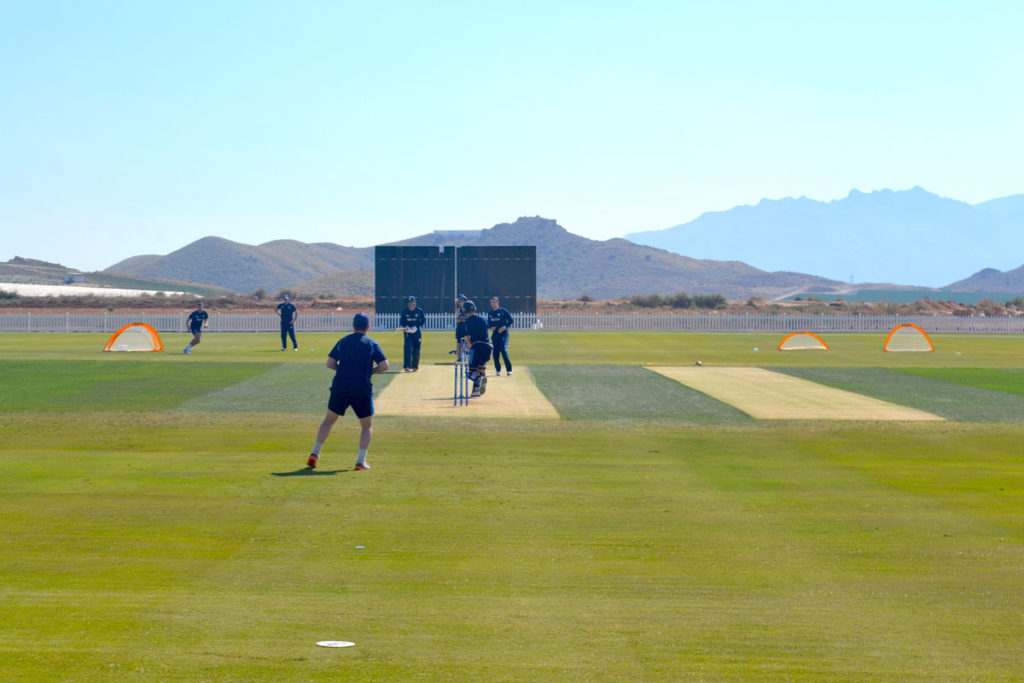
[(354, 359)]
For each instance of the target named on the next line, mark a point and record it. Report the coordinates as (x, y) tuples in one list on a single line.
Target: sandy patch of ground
[(429, 393), (766, 395)]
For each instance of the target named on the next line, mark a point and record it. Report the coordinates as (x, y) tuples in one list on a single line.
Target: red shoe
[(364, 466), (312, 461)]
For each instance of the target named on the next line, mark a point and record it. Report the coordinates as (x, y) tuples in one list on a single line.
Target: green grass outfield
[(157, 523)]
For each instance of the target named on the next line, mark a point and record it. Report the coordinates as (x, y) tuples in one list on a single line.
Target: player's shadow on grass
[(307, 472)]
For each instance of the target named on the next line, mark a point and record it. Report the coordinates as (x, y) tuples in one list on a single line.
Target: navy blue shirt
[(414, 318), (287, 311), (196, 319), (476, 329), (357, 355), (499, 317)]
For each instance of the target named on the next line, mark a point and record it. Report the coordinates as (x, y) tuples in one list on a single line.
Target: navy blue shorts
[(362, 405), (480, 353)]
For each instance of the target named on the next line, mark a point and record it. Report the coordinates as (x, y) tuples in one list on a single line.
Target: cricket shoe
[(359, 467), (312, 461)]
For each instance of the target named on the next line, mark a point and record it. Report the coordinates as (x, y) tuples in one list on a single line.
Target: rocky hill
[(32, 271), (992, 280), (245, 268)]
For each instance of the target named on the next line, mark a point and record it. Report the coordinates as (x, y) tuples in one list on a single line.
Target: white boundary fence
[(639, 322)]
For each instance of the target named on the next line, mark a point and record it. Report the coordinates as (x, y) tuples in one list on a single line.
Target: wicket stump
[(461, 387)]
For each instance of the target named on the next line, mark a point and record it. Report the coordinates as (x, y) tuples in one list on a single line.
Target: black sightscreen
[(509, 273), (428, 273), (436, 275)]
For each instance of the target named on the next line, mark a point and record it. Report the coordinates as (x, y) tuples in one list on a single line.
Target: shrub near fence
[(639, 322)]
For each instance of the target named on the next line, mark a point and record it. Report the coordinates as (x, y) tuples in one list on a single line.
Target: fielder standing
[(288, 313), (499, 322)]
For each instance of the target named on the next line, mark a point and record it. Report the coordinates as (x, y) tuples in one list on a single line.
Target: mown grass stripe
[(1004, 379), (617, 392), (101, 386), (953, 401), (280, 389)]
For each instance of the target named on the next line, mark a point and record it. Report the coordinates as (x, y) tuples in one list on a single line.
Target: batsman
[(479, 348)]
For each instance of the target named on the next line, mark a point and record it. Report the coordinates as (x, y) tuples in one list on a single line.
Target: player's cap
[(286, 297), (360, 322), (468, 306), (461, 297), (411, 298)]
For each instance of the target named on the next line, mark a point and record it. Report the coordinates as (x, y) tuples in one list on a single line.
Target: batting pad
[(429, 393), (766, 395)]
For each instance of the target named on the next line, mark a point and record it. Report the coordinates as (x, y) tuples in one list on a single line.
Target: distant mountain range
[(910, 237), (913, 238), (568, 266)]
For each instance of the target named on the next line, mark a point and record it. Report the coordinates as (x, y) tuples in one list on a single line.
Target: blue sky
[(133, 128)]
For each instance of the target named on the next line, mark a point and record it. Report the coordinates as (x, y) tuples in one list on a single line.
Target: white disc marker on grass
[(335, 643)]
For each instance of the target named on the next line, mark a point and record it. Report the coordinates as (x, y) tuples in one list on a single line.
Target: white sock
[(361, 458), (317, 446)]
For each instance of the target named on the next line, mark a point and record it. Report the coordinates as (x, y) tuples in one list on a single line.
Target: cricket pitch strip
[(767, 395), (429, 393)]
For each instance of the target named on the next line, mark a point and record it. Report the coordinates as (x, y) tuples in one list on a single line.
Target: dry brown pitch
[(429, 393)]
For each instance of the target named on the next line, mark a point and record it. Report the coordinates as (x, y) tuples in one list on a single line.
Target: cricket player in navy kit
[(479, 349), (499, 322), (355, 359), (197, 320), (411, 323), (288, 313)]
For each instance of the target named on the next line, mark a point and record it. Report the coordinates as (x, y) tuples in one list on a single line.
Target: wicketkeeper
[(412, 321)]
